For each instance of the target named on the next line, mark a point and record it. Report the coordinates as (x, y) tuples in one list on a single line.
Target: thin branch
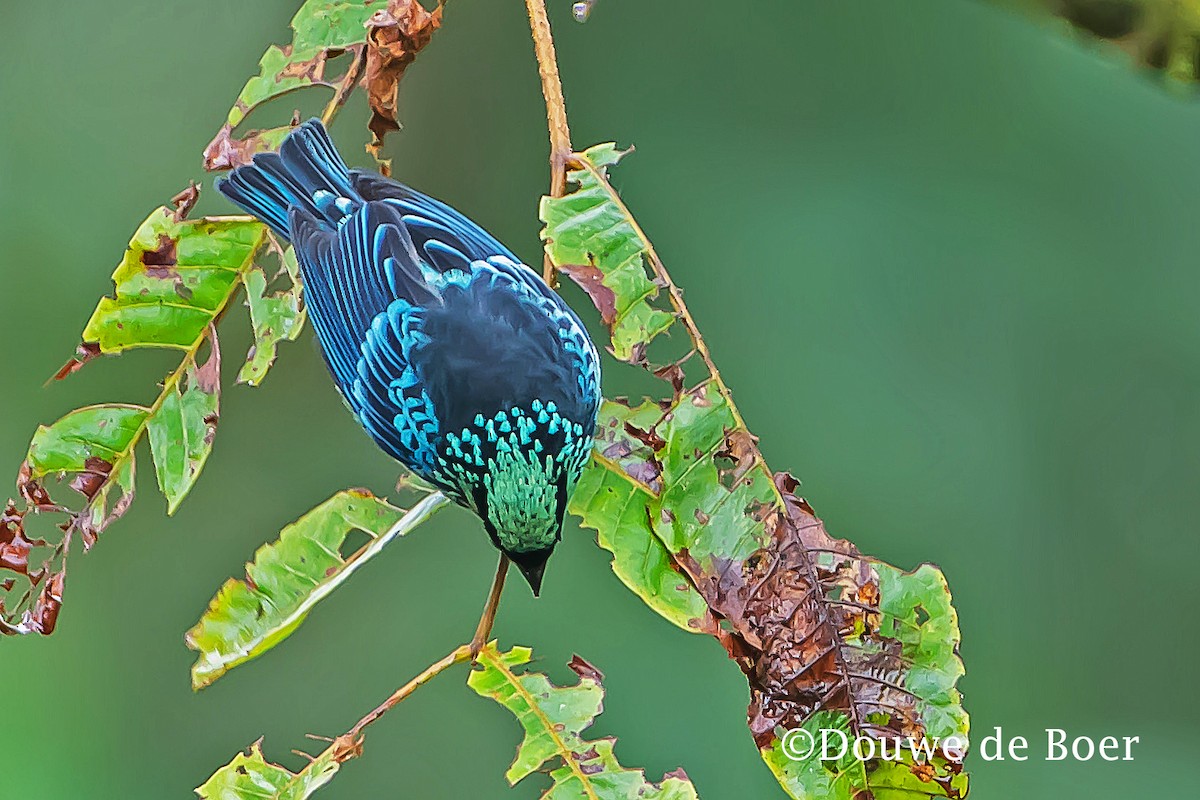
[(457, 656), (349, 745), (346, 87), (561, 151)]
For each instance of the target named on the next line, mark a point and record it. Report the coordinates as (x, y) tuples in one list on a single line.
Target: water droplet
[(582, 10)]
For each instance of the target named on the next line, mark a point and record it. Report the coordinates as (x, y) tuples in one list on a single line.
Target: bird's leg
[(489, 611)]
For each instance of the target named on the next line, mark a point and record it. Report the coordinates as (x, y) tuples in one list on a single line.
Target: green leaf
[(614, 497), (174, 280), (291, 575), (554, 718), (181, 430), (275, 317), (321, 30), (589, 229), (103, 432), (679, 492), (95, 444), (251, 777)]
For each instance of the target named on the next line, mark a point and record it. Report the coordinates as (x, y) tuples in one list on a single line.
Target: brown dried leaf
[(825, 635), (394, 37), (185, 201), (591, 279), (83, 354)]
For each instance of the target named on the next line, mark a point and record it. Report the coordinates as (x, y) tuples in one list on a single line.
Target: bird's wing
[(367, 298), (451, 241), (447, 238), (423, 333)]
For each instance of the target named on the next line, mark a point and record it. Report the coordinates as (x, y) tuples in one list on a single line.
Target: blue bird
[(456, 358)]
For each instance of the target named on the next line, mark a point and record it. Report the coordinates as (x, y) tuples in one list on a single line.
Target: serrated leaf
[(554, 719), (679, 488), (182, 428), (291, 575), (275, 317), (93, 445), (251, 777), (173, 281), (588, 228), (321, 30)]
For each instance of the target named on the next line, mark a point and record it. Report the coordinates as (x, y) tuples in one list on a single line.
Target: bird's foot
[(476, 647)]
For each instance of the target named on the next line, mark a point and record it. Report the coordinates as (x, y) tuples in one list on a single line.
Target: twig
[(346, 87), (561, 151), (457, 656), (349, 745)]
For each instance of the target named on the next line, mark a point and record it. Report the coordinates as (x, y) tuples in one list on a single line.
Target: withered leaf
[(83, 354), (591, 279), (394, 37), (185, 201), (826, 636)]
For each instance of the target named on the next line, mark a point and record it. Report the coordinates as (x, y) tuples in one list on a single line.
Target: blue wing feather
[(425, 320)]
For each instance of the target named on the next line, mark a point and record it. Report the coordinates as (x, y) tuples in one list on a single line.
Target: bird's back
[(431, 328)]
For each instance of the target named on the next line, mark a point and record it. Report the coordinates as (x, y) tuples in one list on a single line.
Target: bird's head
[(516, 470)]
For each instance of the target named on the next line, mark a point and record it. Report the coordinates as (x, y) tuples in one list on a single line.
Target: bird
[(456, 358)]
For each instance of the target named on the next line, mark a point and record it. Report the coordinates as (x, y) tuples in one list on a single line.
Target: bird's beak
[(533, 574)]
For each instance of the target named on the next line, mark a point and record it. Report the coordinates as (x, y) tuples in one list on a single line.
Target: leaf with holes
[(590, 236), (251, 777), (822, 632), (175, 279), (291, 575), (93, 445), (277, 316), (554, 719), (614, 497), (321, 31), (181, 430)]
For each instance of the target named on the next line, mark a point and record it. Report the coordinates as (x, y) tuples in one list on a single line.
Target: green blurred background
[(945, 257)]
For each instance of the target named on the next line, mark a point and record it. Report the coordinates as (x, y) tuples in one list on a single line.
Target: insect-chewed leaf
[(290, 576), (679, 492), (589, 235), (181, 430), (275, 316), (614, 497), (251, 777), (95, 446), (554, 719), (174, 280), (321, 30), (382, 39)]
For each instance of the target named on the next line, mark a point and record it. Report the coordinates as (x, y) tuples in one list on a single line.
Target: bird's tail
[(307, 173)]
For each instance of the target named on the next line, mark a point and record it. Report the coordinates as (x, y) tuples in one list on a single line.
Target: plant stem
[(346, 87), (489, 609), (457, 656), (561, 151)]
